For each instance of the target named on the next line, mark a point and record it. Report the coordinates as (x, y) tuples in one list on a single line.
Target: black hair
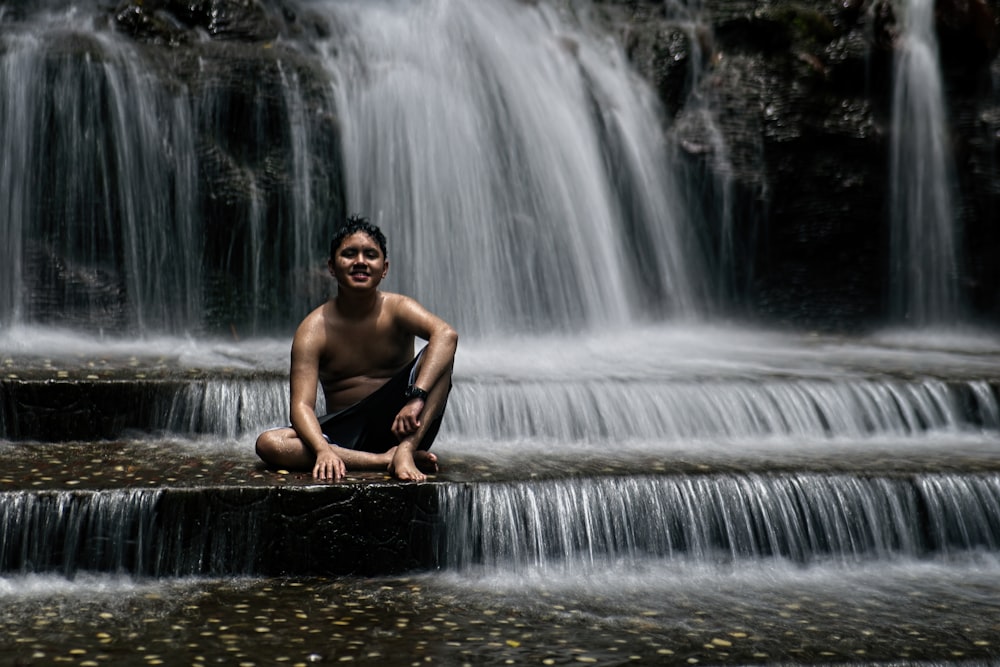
[(356, 223)]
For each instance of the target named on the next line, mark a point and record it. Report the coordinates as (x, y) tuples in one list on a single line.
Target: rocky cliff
[(801, 93)]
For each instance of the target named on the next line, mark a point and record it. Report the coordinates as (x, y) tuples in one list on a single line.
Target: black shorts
[(367, 425)]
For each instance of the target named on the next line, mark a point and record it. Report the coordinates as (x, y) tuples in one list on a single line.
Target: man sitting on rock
[(384, 405)]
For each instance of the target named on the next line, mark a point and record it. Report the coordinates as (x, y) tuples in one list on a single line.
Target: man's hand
[(328, 466), (407, 421)]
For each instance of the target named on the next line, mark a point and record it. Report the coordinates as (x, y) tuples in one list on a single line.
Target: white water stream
[(924, 237)]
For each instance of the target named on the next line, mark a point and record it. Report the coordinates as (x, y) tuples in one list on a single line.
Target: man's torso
[(360, 355)]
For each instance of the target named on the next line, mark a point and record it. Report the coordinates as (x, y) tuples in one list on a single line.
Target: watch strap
[(413, 391)]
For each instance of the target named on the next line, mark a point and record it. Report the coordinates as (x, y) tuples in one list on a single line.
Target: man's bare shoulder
[(413, 318), (311, 331), (394, 300), (400, 306), (314, 321)]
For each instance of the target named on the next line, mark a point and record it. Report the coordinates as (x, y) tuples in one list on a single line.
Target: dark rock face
[(801, 94), (968, 35), (174, 21)]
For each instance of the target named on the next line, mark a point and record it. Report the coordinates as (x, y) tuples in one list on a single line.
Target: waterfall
[(642, 486), (110, 241), (143, 532), (515, 162), (145, 192), (67, 532), (564, 524), (924, 241), (707, 179), (559, 524), (599, 411), (576, 410), (228, 408)]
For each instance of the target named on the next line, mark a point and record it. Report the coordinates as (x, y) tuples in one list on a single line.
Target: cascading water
[(127, 531), (121, 220), (590, 523), (178, 214), (924, 238), (491, 153), (708, 184), (524, 176)]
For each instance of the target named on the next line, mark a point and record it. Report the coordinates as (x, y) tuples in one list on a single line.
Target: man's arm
[(433, 375), (441, 337), (304, 377)]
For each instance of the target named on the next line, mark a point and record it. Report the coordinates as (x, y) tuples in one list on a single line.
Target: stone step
[(163, 464), (148, 509), (110, 401), (165, 509), (93, 399)]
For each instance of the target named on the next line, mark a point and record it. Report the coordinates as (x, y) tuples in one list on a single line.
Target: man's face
[(358, 262)]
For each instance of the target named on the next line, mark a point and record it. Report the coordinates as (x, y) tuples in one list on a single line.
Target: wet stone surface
[(28, 466), (101, 465), (133, 507), (89, 398), (78, 367), (185, 464), (416, 621)]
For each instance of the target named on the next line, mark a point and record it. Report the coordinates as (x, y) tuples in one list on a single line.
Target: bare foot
[(426, 461)]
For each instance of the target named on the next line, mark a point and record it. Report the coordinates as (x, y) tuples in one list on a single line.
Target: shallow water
[(904, 613)]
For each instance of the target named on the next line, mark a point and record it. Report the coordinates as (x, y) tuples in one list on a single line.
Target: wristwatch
[(413, 391)]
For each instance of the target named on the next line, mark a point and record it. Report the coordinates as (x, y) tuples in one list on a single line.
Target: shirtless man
[(385, 406)]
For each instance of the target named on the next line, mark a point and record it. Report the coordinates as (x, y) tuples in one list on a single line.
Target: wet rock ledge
[(154, 509), (51, 403), (63, 400), (124, 465)]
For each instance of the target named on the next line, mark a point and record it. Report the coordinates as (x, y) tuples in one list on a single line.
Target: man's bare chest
[(364, 352)]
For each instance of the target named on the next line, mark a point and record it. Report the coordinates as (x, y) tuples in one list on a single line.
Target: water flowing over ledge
[(216, 531), (926, 242), (601, 411), (564, 524), (653, 384), (567, 411), (611, 411), (712, 520)]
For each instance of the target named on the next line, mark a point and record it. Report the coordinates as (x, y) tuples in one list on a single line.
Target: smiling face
[(359, 262)]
